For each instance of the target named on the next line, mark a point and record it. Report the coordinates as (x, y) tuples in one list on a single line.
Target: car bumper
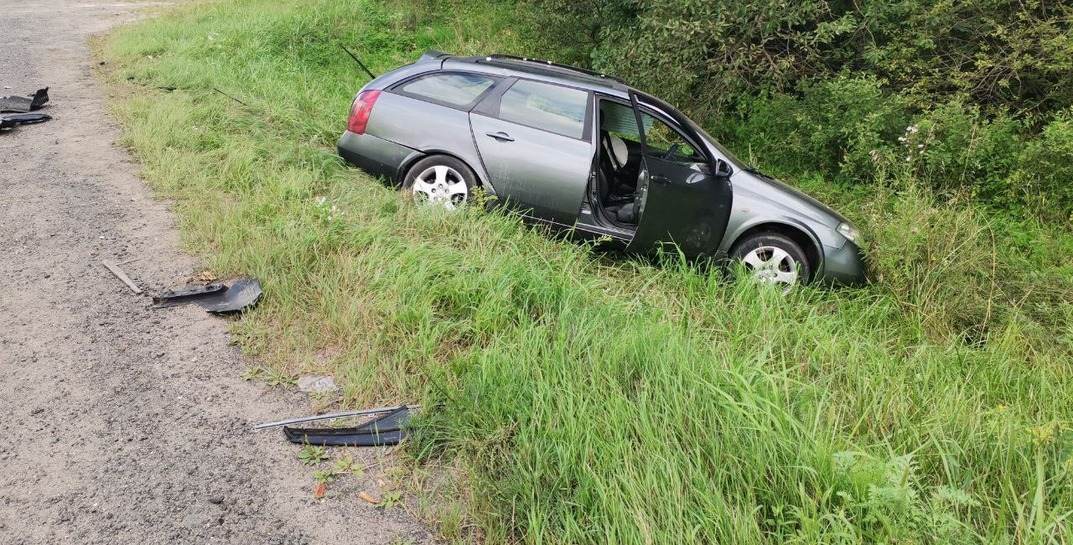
[(375, 155), (845, 266)]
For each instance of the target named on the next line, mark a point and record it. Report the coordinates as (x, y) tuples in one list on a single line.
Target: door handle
[(661, 180), (501, 136)]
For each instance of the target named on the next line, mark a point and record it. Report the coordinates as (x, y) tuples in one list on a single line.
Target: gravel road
[(121, 423)]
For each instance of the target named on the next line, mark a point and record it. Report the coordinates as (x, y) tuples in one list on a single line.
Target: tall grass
[(595, 399)]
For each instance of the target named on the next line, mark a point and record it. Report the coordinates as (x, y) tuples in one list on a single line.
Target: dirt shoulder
[(126, 424)]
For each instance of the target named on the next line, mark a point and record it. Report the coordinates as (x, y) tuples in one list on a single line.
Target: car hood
[(781, 196)]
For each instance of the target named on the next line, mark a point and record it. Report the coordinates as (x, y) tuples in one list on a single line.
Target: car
[(586, 153)]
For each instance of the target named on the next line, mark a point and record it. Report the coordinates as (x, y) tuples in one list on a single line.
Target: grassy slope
[(594, 401)]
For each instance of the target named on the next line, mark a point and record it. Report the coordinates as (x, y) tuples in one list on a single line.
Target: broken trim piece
[(180, 296), (242, 294), (384, 431), (14, 120), (23, 104)]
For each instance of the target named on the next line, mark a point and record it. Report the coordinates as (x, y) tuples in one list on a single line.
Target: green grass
[(592, 399)]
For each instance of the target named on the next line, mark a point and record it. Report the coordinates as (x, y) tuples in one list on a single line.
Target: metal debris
[(329, 416), (216, 298)]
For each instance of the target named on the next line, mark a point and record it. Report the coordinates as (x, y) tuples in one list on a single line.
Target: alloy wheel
[(440, 185), (772, 265)]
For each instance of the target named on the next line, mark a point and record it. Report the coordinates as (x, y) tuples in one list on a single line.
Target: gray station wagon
[(576, 150)]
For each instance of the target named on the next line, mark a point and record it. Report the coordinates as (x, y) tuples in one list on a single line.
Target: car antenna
[(363, 67)]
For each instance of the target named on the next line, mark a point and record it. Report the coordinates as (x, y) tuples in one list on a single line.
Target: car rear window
[(553, 108), (453, 89)]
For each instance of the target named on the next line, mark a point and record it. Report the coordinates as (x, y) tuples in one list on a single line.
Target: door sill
[(588, 222)]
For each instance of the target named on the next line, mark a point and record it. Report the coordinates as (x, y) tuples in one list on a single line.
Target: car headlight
[(849, 232)]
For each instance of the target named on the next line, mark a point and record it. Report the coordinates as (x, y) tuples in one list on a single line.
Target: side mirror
[(722, 169)]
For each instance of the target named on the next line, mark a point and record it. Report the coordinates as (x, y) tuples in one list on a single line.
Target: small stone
[(316, 384), (216, 500)]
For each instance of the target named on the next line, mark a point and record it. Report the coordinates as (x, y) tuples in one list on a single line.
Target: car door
[(534, 139), (683, 200)]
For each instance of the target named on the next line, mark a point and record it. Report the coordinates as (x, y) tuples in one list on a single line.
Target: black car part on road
[(383, 431), (14, 120), (24, 103), (217, 298)]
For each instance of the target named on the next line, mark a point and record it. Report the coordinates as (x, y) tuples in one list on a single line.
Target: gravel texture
[(122, 423)]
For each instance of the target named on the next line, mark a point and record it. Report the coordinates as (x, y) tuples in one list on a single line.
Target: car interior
[(619, 161), (618, 164)]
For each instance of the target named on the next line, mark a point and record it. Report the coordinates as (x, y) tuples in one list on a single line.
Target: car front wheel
[(772, 258), (440, 181)]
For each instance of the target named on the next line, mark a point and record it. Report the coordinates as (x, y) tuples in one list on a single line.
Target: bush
[(956, 273), (834, 127), (938, 261), (819, 85), (955, 148), (1044, 175)]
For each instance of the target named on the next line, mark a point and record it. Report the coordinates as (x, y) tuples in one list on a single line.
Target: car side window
[(667, 143), (454, 89), (619, 120), (553, 108)]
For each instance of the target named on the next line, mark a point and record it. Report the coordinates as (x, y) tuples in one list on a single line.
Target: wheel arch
[(800, 234), (410, 160)]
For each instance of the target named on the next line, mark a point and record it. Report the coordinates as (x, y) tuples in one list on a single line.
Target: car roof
[(506, 65)]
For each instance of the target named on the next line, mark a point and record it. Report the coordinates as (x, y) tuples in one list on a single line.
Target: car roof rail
[(542, 62)]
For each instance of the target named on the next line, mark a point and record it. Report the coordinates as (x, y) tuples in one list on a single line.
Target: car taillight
[(359, 113)]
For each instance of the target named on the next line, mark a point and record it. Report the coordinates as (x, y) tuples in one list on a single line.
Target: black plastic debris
[(384, 431), (13, 120), (24, 103), (190, 294), (242, 294)]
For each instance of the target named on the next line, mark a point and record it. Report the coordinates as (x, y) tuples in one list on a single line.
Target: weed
[(311, 455), (254, 373), (324, 476), (390, 499)]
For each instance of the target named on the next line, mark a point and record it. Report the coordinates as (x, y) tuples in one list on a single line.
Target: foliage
[(1045, 167), (312, 455), (817, 85)]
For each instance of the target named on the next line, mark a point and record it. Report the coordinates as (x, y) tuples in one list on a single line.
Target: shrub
[(834, 127), (957, 273), (1044, 175), (818, 85), (938, 261)]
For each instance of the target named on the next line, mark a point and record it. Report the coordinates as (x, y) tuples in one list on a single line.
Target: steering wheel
[(671, 151)]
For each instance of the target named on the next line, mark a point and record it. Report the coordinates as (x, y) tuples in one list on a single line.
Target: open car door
[(684, 195)]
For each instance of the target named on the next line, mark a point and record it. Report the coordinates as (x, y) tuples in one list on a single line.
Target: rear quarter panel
[(426, 127)]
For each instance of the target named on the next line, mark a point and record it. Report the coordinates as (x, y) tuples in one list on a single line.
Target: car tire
[(772, 258), (440, 180)]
